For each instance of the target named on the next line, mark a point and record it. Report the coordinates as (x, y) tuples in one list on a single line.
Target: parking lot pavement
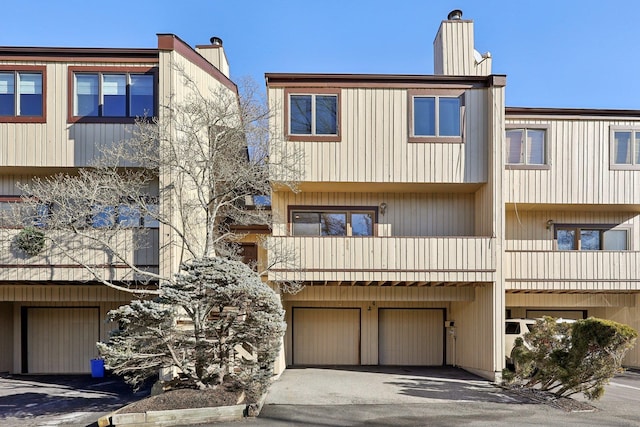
[(61, 400), (425, 396)]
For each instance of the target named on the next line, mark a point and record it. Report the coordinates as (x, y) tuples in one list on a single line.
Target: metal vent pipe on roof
[(455, 15), (216, 41)]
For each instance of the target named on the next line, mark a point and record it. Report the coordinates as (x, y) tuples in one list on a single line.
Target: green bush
[(30, 240), (569, 358)]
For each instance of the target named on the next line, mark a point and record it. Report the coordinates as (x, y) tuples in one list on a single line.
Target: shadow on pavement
[(23, 396)]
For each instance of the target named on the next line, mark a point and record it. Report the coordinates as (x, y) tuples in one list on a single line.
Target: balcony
[(572, 271), (405, 261), (70, 262)]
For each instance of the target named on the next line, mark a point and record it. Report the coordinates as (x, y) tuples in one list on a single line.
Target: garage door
[(326, 336), (565, 314), (410, 336), (61, 340)]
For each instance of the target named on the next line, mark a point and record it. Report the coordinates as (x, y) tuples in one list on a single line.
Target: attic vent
[(216, 41), (455, 15)]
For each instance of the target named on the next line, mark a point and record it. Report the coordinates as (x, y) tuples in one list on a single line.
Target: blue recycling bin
[(97, 368)]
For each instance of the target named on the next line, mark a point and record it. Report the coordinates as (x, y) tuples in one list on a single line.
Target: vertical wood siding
[(374, 143), (445, 259), (57, 143), (407, 214), (579, 159)]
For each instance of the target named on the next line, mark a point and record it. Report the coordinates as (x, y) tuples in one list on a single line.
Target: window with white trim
[(21, 94), (591, 238), (526, 146)]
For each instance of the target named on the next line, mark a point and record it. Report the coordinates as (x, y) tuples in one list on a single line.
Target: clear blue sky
[(560, 53)]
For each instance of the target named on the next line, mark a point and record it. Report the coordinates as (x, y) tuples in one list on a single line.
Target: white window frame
[(635, 133)]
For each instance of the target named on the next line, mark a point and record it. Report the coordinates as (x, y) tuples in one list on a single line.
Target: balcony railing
[(408, 260), (572, 270), (69, 261)]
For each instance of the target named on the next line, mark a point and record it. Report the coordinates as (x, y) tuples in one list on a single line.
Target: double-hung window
[(313, 116), (591, 238), (625, 148), (435, 116), (526, 146), (113, 95), (333, 222), (21, 94)]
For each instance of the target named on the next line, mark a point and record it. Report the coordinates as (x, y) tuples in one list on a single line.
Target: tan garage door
[(326, 336), (410, 336), (61, 340)]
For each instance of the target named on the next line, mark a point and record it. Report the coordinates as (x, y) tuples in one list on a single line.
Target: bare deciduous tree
[(192, 173)]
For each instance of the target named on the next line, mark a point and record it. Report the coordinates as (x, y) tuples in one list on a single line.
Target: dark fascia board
[(81, 52), (536, 111), (346, 79)]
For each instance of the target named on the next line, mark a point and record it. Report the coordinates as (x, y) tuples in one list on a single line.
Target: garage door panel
[(411, 337), (61, 340), (326, 336)]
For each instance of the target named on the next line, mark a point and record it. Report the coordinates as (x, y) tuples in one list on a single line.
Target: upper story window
[(526, 146), (625, 148), (333, 222), (436, 115), (313, 116), (21, 95), (112, 95), (591, 238)]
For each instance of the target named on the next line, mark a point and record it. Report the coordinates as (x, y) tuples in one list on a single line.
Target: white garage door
[(61, 340), (410, 336), (326, 336)]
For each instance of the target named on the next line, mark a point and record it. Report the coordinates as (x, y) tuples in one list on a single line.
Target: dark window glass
[(114, 94), (141, 96), (449, 117), (306, 224), (424, 116), (512, 328), (30, 94), (622, 148), (300, 114), (590, 240), (7, 94), (362, 224), (333, 224), (326, 115), (566, 239), (87, 95)]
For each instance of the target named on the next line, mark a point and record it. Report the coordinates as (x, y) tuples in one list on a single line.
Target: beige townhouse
[(57, 106), (428, 212)]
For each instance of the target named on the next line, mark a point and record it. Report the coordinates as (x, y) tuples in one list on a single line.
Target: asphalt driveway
[(61, 400)]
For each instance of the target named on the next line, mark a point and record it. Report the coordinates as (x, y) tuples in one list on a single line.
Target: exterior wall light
[(383, 208), (549, 224)]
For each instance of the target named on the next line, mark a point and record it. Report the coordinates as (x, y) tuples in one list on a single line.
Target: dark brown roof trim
[(173, 42), (535, 111), (290, 79), (77, 52)]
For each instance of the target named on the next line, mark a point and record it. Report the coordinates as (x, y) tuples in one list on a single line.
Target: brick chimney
[(214, 53), (453, 49)]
